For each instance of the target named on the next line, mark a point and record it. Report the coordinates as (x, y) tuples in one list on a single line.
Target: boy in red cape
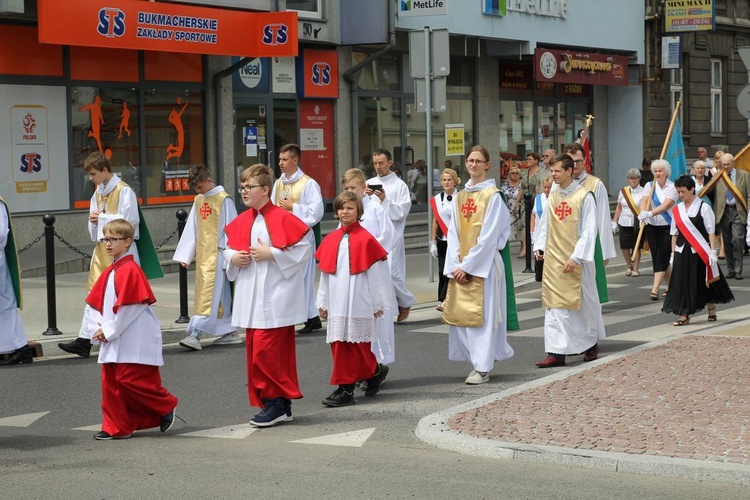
[(266, 256), (130, 336), (353, 292)]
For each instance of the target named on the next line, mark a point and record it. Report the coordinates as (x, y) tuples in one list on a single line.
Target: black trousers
[(442, 247)]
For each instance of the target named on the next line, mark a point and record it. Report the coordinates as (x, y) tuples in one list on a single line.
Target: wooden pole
[(637, 250)]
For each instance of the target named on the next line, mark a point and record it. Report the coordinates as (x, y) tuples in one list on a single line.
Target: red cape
[(285, 228), (364, 250), (131, 286)]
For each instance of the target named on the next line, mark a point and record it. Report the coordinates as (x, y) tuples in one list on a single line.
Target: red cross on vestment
[(563, 210), (205, 211), (468, 208)]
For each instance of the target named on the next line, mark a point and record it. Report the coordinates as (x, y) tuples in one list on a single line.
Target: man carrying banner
[(730, 208)]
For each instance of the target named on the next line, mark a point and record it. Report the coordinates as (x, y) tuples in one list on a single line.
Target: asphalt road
[(45, 456)]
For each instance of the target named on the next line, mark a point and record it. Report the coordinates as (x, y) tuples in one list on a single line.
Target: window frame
[(717, 96)]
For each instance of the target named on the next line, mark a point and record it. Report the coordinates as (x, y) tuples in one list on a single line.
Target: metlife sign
[(422, 7)]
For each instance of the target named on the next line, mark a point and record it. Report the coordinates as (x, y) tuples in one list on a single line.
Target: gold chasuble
[(290, 191), (109, 204), (464, 304), (562, 290), (208, 216)]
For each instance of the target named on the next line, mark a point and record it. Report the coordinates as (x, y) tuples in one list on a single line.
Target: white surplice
[(222, 293), (352, 300), (397, 204), (568, 331), (483, 345), (266, 293), (309, 209), (12, 334)]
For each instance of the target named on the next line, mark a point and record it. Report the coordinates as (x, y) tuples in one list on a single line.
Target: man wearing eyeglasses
[(730, 208)]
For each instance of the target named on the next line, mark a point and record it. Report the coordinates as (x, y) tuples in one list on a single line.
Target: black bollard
[(527, 203), (49, 246), (182, 216)]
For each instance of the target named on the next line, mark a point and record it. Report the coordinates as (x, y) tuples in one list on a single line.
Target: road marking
[(354, 439), (240, 431), (96, 427), (21, 420)]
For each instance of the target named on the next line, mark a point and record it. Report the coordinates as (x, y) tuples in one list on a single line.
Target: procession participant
[(730, 206), (655, 213), (376, 221), (477, 305), (696, 279), (201, 239), (12, 335), (540, 203), (625, 220), (113, 199), (566, 235), (266, 256), (131, 343), (299, 194), (353, 293), (441, 212), (393, 195)]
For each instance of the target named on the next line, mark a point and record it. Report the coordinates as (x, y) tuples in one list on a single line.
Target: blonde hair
[(260, 173), (120, 228), (452, 173), (344, 197), (547, 181), (353, 174)]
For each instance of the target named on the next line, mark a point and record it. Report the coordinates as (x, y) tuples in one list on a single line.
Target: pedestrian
[(697, 280), (267, 252), (201, 239), (540, 203), (113, 199), (513, 193), (646, 174), (730, 207), (566, 240), (393, 195), (353, 293), (441, 213), (299, 194), (476, 304), (12, 335), (625, 220), (659, 198), (376, 221), (131, 342)]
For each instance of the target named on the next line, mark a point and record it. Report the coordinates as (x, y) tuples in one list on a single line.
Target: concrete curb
[(433, 430)]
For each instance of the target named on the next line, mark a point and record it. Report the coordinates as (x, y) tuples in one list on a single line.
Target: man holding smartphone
[(393, 195)]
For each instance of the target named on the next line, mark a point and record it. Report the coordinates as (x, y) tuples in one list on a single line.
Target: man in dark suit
[(731, 214)]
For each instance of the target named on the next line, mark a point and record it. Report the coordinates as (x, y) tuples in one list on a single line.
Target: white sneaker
[(191, 343), (228, 339), (476, 378)]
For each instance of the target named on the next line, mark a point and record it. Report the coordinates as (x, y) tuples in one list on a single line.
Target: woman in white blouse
[(441, 217), (626, 221)]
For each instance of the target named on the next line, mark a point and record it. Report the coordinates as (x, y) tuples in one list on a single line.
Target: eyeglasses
[(579, 161), (109, 240), (472, 161), (248, 188)]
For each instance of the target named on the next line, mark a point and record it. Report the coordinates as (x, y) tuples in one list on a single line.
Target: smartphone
[(375, 187)]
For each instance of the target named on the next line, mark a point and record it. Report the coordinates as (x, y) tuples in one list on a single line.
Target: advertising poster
[(689, 15), (34, 166), (283, 75), (316, 142)]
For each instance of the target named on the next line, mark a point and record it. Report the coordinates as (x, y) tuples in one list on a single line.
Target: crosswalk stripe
[(96, 427), (240, 431), (21, 420), (354, 439)]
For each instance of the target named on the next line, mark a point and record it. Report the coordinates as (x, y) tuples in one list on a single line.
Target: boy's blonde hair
[(120, 228), (353, 174), (97, 161), (260, 173), (547, 181), (344, 197)]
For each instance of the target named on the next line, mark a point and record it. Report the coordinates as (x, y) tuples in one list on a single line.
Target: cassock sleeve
[(399, 204), (540, 230), (606, 238), (228, 214), (387, 237), (321, 301), (93, 228), (185, 251), (291, 259), (586, 244), (378, 281), (310, 207), (123, 319), (232, 270), (454, 246)]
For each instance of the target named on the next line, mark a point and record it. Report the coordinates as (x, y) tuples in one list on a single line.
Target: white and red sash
[(438, 216), (696, 240)]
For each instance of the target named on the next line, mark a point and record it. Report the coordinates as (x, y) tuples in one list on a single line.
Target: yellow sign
[(454, 139), (688, 15)]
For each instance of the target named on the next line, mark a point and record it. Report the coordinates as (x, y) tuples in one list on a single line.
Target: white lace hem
[(348, 329)]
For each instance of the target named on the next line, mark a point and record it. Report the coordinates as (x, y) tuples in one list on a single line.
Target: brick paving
[(688, 398)]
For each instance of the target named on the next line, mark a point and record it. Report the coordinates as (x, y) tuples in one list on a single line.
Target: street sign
[(743, 101), (440, 62), (437, 95)]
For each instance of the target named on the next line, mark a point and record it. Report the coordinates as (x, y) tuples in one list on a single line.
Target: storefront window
[(516, 133), (105, 119), (380, 127), (174, 143), (381, 74), (460, 79)]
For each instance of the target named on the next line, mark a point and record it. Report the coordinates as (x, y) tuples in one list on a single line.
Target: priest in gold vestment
[(566, 240)]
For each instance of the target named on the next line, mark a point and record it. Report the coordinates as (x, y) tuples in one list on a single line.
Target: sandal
[(629, 272), (682, 322), (664, 294), (635, 274), (654, 296), (712, 317)]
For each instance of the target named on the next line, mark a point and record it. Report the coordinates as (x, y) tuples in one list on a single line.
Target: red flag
[(586, 150)]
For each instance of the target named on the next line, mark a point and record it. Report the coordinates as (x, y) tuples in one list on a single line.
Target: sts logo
[(31, 162), (321, 74), (111, 22), (275, 34)]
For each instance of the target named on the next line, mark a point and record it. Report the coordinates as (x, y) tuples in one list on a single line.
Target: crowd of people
[(251, 267)]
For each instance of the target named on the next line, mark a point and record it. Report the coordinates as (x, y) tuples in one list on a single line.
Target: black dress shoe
[(311, 325), (79, 346), (738, 277), (21, 356), (731, 275)]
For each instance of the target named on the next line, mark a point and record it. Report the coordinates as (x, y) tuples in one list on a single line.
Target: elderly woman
[(626, 218), (531, 180), (701, 177), (513, 192), (660, 197)]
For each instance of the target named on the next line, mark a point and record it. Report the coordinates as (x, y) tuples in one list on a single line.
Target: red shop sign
[(570, 66)]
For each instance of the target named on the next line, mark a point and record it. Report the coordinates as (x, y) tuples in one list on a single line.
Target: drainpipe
[(349, 77)]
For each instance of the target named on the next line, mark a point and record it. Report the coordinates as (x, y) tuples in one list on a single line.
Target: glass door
[(252, 121), (546, 128)]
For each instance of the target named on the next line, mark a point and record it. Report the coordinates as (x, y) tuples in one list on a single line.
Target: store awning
[(164, 27)]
